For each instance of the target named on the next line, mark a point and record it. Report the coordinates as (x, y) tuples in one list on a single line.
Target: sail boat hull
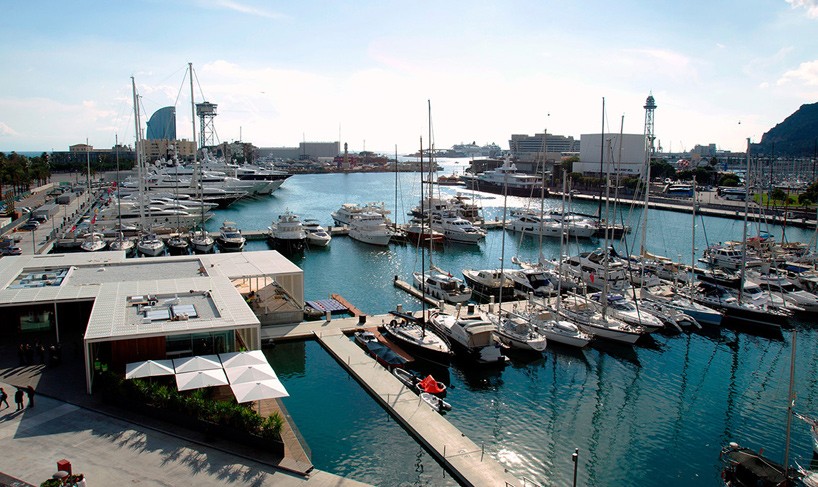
[(424, 344)]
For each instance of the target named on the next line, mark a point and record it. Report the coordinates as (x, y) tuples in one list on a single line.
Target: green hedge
[(196, 404)]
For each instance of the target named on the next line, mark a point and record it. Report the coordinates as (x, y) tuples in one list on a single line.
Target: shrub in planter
[(271, 427)]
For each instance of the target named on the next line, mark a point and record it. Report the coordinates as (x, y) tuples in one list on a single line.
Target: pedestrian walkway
[(111, 451)]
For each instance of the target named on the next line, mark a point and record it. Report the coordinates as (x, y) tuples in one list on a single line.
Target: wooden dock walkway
[(351, 307), (405, 286), (466, 460)]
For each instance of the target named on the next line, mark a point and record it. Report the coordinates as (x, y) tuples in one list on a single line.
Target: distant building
[(630, 146), (315, 150), (165, 148), (703, 151), (162, 124), (530, 148), (285, 153), (473, 150)]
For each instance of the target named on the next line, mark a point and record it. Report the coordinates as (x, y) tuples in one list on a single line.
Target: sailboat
[(120, 242), (514, 331), (436, 283), (149, 244), (549, 321), (584, 313), (94, 241), (412, 333), (177, 243), (200, 241), (748, 468), (734, 305)]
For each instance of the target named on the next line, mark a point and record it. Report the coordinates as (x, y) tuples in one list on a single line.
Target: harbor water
[(654, 413)]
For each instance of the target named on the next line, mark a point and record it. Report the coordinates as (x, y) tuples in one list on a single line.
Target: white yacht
[(120, 242), (506, 176), (556, 329), (486, 283), (626, 310), (201, 242), (471, 335), (369, 227), (150, 245), (457, 229), (584, 313), (533, 280), (590, 268), (93, 242), (347, 211), (530, 223), (317, 235), (230, 238), (287, 235), (517, 332), (440, 285)]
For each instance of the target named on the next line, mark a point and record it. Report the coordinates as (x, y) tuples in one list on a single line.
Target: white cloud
[(242, 8), (810, 5), (806, 74), (6, 131)]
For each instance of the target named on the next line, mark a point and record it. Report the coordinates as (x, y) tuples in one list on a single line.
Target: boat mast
[(744, 232), (196, 167), (118, 187), (790, 401), (693, 239), (139, 175), (395, 221), (562, 241), (601, 159), (422, 248), (607, 255), (542, 190), (503, 246)]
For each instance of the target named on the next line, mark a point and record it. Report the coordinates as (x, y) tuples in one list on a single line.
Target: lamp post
[(574, 457)]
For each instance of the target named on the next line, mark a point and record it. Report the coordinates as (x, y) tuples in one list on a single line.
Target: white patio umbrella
[(236, 359), (148, 368), (200, 379), (250, 373), (198, 362), (256, 391)]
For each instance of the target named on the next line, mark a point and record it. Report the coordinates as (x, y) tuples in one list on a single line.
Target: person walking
[(18, 398), (4, 397), (30, 392)]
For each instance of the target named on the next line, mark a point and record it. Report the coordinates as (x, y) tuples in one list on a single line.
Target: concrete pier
[(466, 460)]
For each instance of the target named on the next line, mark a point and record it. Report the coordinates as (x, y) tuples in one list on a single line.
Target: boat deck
[(467, 461)]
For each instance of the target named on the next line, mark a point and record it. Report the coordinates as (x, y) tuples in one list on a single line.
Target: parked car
[(29, 225), (39, 218), (11, 251)]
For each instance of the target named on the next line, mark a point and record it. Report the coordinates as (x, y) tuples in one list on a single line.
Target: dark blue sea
[(653, 414)]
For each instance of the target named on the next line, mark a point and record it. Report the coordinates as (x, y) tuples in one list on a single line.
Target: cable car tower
[(206, 112)]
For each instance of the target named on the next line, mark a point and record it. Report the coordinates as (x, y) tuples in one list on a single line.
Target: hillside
[(796, 136)]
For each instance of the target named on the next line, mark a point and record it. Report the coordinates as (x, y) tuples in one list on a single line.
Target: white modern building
[(625, 154), (122, 310)]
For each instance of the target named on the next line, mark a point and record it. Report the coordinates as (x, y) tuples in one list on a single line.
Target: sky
[(365, 72)]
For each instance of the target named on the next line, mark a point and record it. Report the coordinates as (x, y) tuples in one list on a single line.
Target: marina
[(667, 391)]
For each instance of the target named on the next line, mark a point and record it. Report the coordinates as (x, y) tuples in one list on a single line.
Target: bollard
[(329, 315), (482, 450), (444, 451)]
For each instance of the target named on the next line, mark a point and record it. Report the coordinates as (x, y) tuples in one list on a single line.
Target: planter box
[(206, 427)]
